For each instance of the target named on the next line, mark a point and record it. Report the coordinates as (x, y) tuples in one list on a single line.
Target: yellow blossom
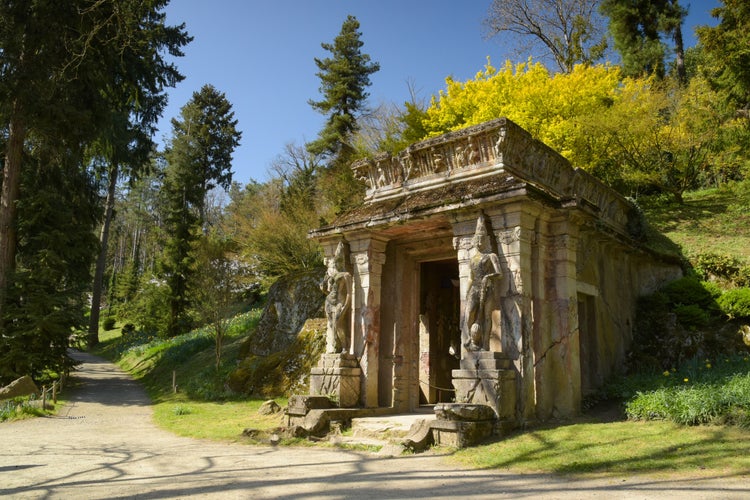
[(666, 373)]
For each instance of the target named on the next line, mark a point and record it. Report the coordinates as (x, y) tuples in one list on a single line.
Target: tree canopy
[(571, 31)]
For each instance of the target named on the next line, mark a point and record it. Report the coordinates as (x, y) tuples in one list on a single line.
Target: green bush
[(108, 323), (711, 266), (689, 291), (692, 316), (736, 303)]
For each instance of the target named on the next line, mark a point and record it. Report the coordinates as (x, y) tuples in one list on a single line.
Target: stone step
[(386, 428)]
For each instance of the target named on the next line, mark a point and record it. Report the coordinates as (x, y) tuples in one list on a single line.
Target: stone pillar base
[(487, 378), (338, 377), (462, 425)]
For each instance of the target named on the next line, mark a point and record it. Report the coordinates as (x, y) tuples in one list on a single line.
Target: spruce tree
[(199, 159), (637, 27), (344, 78)]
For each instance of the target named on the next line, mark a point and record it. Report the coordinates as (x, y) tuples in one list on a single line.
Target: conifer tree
[(637, 27), (60, 63), (199, 159), (344, 78)]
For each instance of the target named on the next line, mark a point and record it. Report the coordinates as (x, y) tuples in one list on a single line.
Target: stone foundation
[(461, 425), (337, 376), (487, 378)]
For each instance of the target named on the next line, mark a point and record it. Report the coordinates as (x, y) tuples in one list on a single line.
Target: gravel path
[(104, 445)]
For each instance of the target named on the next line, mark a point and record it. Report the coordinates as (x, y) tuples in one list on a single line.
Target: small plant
[(736, 303), (181, 410)]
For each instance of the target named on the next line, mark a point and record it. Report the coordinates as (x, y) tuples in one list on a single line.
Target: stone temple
[(481, 269)]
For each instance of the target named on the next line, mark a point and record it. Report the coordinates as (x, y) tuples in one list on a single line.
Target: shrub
[(709, 265), (736, 303), (687, 291), (692, 316), (108, 323)]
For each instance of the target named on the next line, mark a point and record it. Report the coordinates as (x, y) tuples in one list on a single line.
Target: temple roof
[(496, 160)]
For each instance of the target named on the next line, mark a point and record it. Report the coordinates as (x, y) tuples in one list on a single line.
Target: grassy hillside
[(710, 221)]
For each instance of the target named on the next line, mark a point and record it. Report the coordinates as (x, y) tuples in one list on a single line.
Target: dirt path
[(104, 445)]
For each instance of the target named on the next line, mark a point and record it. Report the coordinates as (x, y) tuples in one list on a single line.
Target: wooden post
[(174, 381), (54, 392)]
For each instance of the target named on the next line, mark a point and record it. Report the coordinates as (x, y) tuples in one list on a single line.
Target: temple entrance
[(439, 330)]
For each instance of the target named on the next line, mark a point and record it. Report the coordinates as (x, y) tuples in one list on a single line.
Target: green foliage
[(108, 323), (47, 301), (16, 408), (726, 47), (689, 291), (735, 303), (637, 26), (344, 78), (149, 309), (677, 323), (273, 239), (724, 268), (700, 392), (199, 159)]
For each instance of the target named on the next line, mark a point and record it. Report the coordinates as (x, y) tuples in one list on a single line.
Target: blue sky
[(260, 54)]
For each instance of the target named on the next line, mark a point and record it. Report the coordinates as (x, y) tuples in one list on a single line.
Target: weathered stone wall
[(555, 318)]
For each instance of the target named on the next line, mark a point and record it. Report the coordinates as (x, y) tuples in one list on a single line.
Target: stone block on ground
[(23, 386)]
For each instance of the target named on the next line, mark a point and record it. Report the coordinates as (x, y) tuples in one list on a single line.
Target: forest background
[(95, 217)]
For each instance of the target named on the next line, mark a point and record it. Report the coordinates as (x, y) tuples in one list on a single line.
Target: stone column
[(515, 227), (485, 377), (368, 257), (557, 350)]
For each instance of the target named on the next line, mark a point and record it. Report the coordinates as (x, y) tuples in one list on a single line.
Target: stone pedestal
[(487, 378), (338, 377), (462, 424)]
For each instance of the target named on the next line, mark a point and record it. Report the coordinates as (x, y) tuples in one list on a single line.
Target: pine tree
[(199, 159), (64, 65), (344, 78), (637, 27), (726, 47)]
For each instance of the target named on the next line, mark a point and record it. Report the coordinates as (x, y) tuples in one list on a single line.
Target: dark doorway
[(587, 343), (439, 330)]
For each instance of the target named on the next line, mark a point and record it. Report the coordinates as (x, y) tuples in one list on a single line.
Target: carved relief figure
[(337, 286), (484, 271)]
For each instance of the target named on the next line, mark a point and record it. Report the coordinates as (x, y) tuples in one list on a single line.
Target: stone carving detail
[(441, 156), (337, 285), (497, 144), (484, 273)]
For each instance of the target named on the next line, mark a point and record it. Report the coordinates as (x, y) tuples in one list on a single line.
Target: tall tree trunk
[(11, 191), (101, 261), (679, 56)]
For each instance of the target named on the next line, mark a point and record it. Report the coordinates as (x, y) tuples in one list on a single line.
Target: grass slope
[(710, 221)]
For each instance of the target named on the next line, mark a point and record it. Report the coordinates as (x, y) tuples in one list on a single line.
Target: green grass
[(221, 421), (617, 448), (711, 220), (201, 408)]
